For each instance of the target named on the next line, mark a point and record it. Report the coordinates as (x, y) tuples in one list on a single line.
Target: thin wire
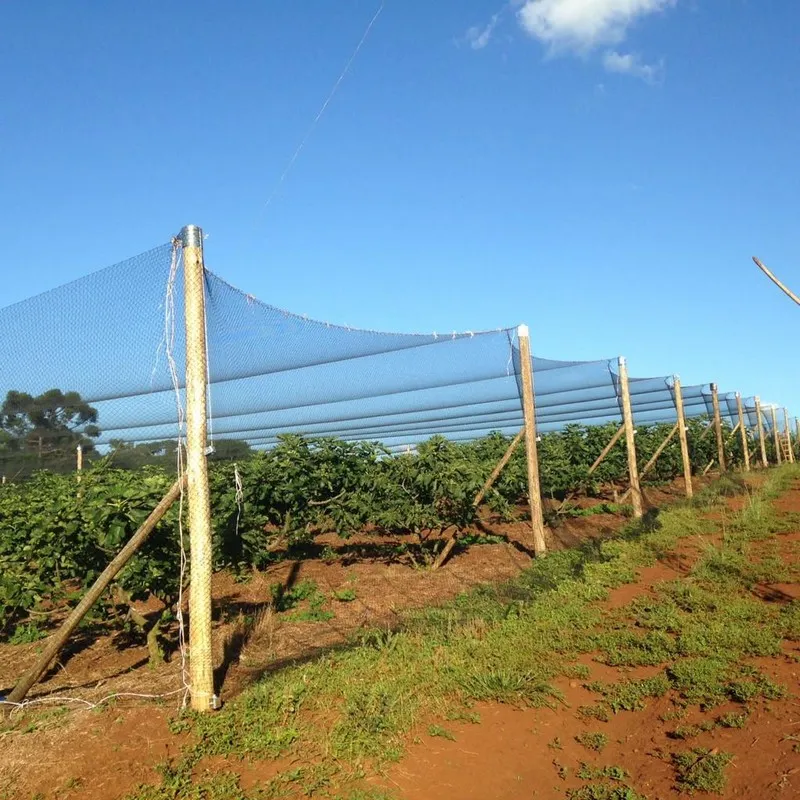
[(322, 110), (169, 346)]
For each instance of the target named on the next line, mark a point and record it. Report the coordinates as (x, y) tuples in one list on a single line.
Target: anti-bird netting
[(116, 338)]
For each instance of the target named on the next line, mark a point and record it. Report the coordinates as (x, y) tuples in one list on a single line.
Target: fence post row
[(743, 432), (776, 437), (529, 413), (718, 428), (685, 457), (761, 438), (201, 675), (627, 418)]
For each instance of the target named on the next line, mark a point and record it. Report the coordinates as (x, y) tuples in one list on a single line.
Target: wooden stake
[(684, 440), (627, 416), (718, 428), (529, 411), (743, 432), (708, 468), (785, 289), (79, 458), (59, 638), (776, 437), (499, 468), (761, 439), (201, 674), (788, 435)]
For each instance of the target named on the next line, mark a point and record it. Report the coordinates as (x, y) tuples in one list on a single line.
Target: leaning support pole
[(684, 440), (201, 673), (59, 638), (788, 436), (652, 462), (776, 437), (762, 442), (529, 412), (743, 432), (627, 417), (718, 428), (499, 468)]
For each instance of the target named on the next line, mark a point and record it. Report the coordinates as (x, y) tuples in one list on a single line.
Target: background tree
[(44, 431)]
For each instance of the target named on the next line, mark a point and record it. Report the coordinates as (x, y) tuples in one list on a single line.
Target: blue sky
[(600, 169)]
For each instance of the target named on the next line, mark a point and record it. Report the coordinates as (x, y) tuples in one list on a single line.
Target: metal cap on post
[(201, 675), (630, 443), (531, 453)]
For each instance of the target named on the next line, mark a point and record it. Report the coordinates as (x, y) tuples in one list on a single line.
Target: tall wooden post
[(685, 456), (788, 435), (797, 429), (743, 432), (762, 443), (201, 675), (79, 458), (776, 437), (718, 428), (529, 412), (627, 418)]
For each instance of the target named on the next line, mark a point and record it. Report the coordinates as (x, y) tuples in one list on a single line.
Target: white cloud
[(631, 64), (477, 37), (583, 25)]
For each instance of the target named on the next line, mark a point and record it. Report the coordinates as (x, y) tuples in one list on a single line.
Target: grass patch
[(592, 741), (507, 643), (701, 769), (631, 695)]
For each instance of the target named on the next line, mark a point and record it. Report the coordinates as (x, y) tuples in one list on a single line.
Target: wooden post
[(685, 457), (59, 638), (529, 411), (743, 432), (201, 674), (761, 439), (498, 469), (79, 458), (627, 417), (776, 437), (718, 428), (788, 435)]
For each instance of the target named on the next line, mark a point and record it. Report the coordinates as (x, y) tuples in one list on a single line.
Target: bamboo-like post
[(718, 428), (201, 673), (761, 438), (59, 638), (529, 412), (797, 429), (788, 435), (79, 458), (743, 432), (776, 437), (499, 468), (627, 417), (684, 440)]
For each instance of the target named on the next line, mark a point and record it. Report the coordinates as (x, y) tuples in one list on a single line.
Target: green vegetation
[(507, 643), (592, 741), (56, 535), (701, 769)]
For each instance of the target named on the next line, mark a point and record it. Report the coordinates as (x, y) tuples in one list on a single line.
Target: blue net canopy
[(116, 337)]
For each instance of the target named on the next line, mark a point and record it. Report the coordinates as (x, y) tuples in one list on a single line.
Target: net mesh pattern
[(109, 337)]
